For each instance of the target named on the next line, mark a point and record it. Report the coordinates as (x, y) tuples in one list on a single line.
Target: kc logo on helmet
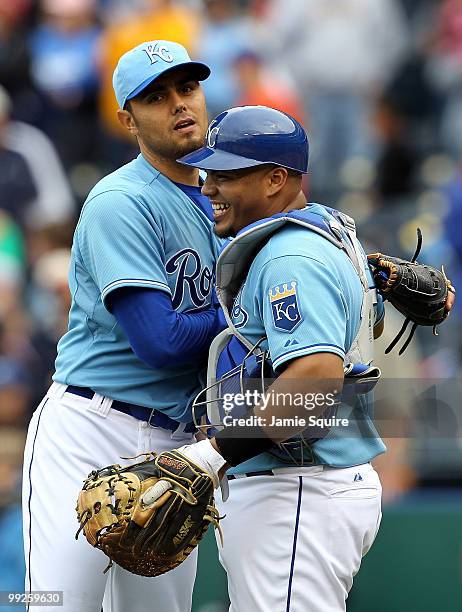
[(158, 51), (212, 134), (284, 306)]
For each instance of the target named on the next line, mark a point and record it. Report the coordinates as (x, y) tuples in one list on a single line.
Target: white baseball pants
[(293, 541), (68, 437)]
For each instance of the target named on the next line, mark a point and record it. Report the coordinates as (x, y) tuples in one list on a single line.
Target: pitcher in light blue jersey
[(301, 304), (137, 229), (140, 325)]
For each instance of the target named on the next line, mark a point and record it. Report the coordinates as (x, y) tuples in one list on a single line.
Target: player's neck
[(172, 169), (297, 203)]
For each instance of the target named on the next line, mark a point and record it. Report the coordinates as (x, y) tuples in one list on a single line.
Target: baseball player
[(140, 325), (304, 504)]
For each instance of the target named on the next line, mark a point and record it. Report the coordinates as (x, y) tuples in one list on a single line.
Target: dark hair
[(290, 172), (252, 169), (294, 173)]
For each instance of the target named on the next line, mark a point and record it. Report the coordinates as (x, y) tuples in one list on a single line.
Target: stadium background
[(378, 84)]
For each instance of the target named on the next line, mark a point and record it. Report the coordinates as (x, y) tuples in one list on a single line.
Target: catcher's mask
[(237, 370), (232, 370)]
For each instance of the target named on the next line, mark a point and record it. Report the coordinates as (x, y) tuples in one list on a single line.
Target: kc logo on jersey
[(158, 51), (284, 306)]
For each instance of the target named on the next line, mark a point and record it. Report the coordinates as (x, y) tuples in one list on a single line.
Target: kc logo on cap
[(158, 51), (140, 66)]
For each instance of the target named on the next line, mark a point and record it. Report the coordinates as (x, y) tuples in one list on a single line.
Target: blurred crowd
[(377, 84)]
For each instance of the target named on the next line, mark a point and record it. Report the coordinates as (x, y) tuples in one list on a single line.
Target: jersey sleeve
[(303, 309), (121, 244)]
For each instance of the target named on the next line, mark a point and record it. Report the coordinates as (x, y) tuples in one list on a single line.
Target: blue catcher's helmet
[(248, 136)]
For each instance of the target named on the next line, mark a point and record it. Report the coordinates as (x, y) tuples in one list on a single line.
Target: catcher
[(149, 516)]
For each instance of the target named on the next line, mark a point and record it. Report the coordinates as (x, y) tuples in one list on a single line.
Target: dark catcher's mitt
[(149, 516), (418, 291)]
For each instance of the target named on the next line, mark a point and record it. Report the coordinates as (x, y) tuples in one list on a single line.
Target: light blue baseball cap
[(142, 65)]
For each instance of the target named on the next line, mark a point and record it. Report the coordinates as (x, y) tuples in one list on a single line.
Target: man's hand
[(423, 294), (451, 298), (206, 455)]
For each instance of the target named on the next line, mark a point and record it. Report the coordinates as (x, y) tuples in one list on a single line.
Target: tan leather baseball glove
[(149, 516)]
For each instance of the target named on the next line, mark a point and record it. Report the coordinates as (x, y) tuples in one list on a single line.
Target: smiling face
[(169, 117), (240, 197)]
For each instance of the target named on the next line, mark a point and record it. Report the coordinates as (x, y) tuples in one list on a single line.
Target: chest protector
[(232, 357)]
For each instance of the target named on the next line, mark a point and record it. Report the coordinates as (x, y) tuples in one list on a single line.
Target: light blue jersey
[(304, 295), (136, 229)]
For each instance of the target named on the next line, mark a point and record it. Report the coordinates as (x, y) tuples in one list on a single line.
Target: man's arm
[(320, 373), (158, 335)]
